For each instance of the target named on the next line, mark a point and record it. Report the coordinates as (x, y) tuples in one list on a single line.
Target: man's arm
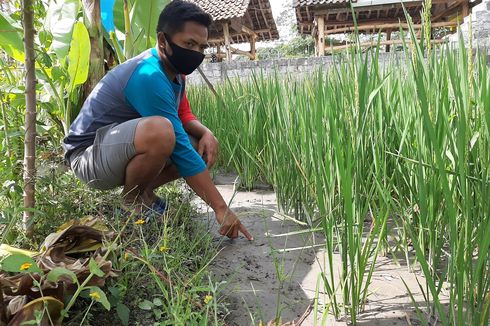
[(201, 183), (204, 187), (192, 126), (196, 129), (151, 94), (207, 143)]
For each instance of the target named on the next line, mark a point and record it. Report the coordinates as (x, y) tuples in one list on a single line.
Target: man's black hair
[(174, 16)]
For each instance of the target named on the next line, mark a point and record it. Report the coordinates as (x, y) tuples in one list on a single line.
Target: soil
[(252, 271)]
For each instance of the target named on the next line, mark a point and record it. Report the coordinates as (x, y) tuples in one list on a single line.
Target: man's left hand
[(208, 148)]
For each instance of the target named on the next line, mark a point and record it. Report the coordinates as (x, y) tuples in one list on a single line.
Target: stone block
[(481, 16), (300, 61), (247, 65)]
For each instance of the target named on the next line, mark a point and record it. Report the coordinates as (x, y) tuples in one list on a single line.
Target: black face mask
[(183, 61)]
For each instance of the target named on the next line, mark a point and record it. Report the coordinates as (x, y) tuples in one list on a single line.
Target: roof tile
[(259, 14), (223, 9), (298, 3)]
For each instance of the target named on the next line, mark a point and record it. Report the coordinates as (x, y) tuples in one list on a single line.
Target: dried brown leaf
[(27, 313)]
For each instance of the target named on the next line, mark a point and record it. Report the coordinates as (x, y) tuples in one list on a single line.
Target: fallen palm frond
[(40, 281)]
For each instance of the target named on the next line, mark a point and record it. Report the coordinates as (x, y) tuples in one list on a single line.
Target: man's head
[(183, 28)]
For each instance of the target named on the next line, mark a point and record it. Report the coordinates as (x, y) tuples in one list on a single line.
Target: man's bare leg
[(168, 174), (154, 142)]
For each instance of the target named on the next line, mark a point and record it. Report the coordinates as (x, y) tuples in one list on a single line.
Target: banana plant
[(63, 46), (11, 37), (131, 23), (71, 46), (62, 57), (78, 65)]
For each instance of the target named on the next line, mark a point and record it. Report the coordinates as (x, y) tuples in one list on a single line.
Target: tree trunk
[(30, 115), (94, 26)]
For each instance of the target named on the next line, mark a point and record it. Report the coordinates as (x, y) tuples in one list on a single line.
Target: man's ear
[(162, 42)]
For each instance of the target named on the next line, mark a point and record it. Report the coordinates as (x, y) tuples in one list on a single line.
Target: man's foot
[(140, 212), (161, 203), (157, 202), (147, 207)]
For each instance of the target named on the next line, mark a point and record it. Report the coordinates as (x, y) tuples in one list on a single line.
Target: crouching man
[(135, 127)]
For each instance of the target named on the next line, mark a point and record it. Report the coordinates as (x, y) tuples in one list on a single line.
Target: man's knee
[(155, 135)]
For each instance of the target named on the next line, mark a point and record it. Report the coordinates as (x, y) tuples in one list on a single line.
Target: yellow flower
[(163, 249), (126, 256), (140, 222), (25, 266), (207, 299), (95, 295)]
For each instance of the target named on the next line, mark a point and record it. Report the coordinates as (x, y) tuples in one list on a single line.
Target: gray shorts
[(103, 165)]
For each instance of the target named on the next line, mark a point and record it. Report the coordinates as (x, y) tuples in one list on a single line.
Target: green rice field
[(405, 145)]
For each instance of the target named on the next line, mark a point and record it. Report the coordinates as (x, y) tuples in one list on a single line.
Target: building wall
[(300, 67), (480, 18)]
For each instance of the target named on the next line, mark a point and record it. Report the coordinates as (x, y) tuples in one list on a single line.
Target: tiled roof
[(298, 3), (254, 14), (223, 9)]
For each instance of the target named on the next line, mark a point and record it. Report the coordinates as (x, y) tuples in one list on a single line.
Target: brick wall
[(301, 67), (480, 17)]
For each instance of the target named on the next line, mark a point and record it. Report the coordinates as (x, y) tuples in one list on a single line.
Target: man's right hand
[(203, 186), (231, 225)]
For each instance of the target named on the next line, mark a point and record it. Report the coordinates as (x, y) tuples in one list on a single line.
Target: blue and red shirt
[(138, 88)]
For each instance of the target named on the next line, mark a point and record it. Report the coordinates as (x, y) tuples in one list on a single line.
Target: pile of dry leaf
[(35, 285)]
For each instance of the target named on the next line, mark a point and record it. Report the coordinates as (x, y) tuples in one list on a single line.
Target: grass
[(177, 247), (177, 250), (405, 143)]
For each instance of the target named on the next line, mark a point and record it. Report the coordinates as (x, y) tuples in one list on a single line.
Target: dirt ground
[(276, 274)]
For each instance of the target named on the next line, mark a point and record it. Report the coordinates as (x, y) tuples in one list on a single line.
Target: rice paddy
[(386, 159)]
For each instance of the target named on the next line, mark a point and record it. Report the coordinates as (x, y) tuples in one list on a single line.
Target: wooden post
[(218, 51), (388, 37), (316, 44), (466, 9), (315, 35), (374, 44), (321, 35), (253, 51), (391, 26), (226, 32)]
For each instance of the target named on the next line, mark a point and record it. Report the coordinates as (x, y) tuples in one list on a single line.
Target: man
[(134, 129)]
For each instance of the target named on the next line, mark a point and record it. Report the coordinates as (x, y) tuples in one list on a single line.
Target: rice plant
[(405, 142)]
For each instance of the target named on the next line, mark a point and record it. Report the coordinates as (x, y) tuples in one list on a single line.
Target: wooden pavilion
[(239, 21), (320, 18)]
